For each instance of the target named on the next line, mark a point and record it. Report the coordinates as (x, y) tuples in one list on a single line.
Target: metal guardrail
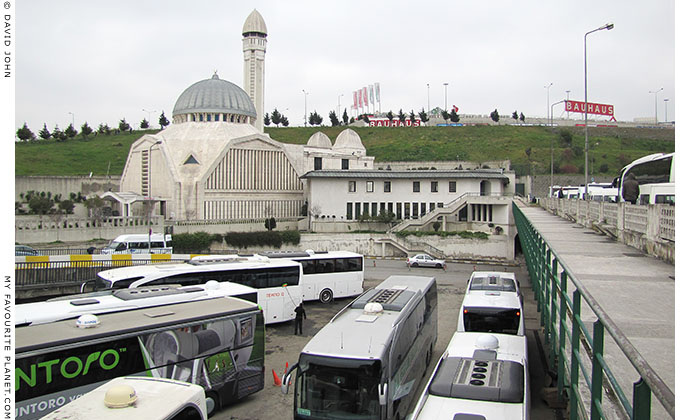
[(567, 334)]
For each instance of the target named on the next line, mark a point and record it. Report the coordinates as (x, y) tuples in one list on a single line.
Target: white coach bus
[(327, 275), (278, 282), (493, 304), (115, 300), (369, 360), (480, 376)]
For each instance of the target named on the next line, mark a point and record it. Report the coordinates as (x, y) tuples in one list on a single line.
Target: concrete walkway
[(635, 290)]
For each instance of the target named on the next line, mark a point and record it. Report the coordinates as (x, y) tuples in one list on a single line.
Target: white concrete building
[(347, 195)]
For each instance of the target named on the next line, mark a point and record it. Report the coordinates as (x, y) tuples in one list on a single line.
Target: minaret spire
[(254, 36)]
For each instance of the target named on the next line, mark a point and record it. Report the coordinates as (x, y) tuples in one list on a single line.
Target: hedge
[(274, 239)]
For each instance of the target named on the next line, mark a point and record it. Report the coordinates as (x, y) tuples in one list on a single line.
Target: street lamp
[(149, 112), (551, 124), (445, 106), (305, 106), (547, 87), (567, 98), (150, 207), (608, 27), (666, 110), (72, 118), (656, 120), (428, 106), (339, 105)]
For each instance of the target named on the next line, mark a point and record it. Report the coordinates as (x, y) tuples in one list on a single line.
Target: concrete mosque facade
[(214, 162)]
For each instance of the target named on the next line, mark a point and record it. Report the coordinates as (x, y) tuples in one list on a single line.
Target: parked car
[(425, 260), (24, 250)]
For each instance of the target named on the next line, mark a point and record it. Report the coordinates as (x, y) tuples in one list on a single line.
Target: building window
[(423, 209), (386, 186), (374, 209), (348, 211), (217, 117), (415, 186), (352, 186), (452, 187), (398, 210), (370, 186), (344, 164), (365, 209), (318, 163), (358, 210), (407, 210), (415, 210), (434, 186)]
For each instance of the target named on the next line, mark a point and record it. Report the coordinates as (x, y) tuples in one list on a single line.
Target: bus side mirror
[(383, 394), (285, 381)]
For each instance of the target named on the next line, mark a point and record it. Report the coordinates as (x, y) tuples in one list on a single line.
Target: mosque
[(214, 162)]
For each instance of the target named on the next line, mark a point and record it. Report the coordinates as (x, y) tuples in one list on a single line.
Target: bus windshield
[(496, 320), (330, 388)]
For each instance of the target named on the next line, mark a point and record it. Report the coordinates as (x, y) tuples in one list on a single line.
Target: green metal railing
[(575, 353)]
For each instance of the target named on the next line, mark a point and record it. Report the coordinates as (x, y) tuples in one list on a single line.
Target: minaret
[(254, 47)]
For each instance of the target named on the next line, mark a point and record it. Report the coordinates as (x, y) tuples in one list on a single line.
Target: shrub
[(436, 226), (290, 237), (569, 168), (244, 240), (194, 242)]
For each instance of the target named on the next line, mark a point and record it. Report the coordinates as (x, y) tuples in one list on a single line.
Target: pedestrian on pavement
[(299, 314), (631, 188)]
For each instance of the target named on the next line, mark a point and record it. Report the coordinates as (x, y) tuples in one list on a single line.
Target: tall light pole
[(547, 87), (608, 27), (567, 98), (445, 106), (305, 106), (428, 102), (149, 112), (72, 114), (666, 110), (339, 105), (555, 103), (656, 119), (149, 210)]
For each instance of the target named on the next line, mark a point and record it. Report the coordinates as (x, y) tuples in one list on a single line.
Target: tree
[(66, 206), (267, 120), (390, 115), (70, 131), (315, 118), (494, 116), (413, 117), (40, 205), (44, 133), (86, 130), (515, 115), (270, 224), (345, 118), (144, 124), (445, 115), (423, 116), (58, 134), (124, 125), (104, 129), (162, 121), (275, 117), (284, 121), (334, 119), (365, 118), (522, 117), (401, 116), (24, 134), (454, 117)]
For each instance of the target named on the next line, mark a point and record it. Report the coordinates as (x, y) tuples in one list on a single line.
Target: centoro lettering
[(69, 368)]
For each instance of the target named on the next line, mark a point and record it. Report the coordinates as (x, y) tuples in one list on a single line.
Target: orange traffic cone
[(276, 379)]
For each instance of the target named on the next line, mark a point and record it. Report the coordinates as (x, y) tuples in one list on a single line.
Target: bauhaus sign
[(592, 108), (395, 122)]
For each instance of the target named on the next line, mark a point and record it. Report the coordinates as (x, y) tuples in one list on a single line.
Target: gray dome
[(319, 139), (214, 95)]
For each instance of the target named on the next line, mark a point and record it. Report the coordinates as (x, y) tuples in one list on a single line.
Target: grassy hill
[(610, 148)]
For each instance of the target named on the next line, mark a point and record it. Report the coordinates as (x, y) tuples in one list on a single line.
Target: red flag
[(455, 108)]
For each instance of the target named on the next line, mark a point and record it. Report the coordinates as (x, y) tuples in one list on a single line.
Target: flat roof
[(417, 174), (56, 334)]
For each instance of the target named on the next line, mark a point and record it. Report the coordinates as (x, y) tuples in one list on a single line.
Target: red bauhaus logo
[(592, 108)]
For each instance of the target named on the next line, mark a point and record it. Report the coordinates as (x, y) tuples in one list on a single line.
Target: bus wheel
[(212, 403), (326, 296)]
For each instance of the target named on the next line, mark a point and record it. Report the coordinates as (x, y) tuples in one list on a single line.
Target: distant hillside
[(610, 148)]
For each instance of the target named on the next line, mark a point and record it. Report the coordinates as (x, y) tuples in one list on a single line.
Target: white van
[(137, 397), (492, 304), (155, 243)]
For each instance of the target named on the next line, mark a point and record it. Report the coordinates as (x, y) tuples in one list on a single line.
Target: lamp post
[(149, 112), (428, 102), (150, 207), (666, 110), (547, 87), (656, 119), (551, 124), (339, 105), (305, 106), (445, 106), (608, 27), (72, 114), (567, 98)]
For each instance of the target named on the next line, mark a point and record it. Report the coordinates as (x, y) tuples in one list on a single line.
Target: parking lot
[(282, 346)]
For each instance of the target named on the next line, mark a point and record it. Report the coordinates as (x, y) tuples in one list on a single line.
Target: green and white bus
[(215, 343)]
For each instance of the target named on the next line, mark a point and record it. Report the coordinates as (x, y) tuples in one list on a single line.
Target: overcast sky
[(101, 61)]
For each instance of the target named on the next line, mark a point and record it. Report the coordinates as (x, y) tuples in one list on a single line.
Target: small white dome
[(487, 342), (88, 321), (319, 139), (373, 308), (120, 396), (348, 141)]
